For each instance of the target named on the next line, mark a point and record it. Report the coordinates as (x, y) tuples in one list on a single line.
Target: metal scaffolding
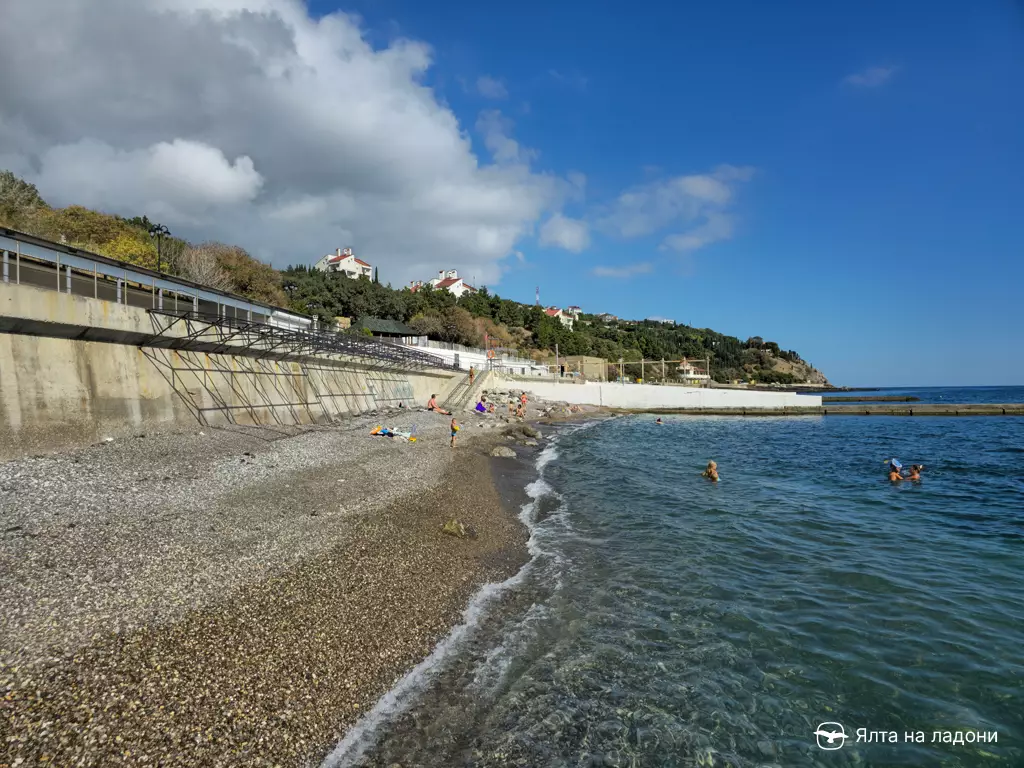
[(215, 334)]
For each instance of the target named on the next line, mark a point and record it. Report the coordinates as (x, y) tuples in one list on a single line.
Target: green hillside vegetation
[(436, 314)]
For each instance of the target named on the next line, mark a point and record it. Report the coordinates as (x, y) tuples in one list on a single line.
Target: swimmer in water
[(915, 472), (658, 421), (711, 472), (894, 471)]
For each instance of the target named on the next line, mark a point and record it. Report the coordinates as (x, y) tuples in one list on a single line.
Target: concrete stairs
[(462, 395)]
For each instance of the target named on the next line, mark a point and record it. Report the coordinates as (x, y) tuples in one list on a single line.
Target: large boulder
[(503, 452)]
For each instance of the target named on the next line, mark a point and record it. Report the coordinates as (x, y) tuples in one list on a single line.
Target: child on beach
[(711, 472), (455, 429)]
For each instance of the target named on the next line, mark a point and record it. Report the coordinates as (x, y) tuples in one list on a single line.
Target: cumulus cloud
[(626, 271), (562, 232), (491, 88), (252, 122), (872, 77), (698, 201)]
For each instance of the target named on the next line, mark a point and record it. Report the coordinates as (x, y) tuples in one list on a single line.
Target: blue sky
[(880, 230)]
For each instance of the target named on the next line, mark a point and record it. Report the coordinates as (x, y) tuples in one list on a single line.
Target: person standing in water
[(711, 472), (895, 471)]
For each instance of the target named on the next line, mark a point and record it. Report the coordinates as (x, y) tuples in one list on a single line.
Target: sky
[(845, 179)]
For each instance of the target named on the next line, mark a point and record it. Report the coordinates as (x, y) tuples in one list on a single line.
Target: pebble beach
[(238, 596)]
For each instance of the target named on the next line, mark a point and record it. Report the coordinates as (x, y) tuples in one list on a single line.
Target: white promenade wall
[(479, 361), (651, 396)]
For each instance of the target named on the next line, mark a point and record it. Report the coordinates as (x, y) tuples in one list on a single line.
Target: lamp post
[(158, 231)]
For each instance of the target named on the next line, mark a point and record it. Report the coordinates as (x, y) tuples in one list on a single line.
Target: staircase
[(463, 393)]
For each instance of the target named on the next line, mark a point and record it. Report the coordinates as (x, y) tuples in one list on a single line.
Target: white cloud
[(699, 200), (563, 232), (718, 226), (251, 122), (871, 77), (491, 88), (495, 129), (623, 272)]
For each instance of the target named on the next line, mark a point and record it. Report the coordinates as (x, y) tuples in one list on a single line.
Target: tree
[(250, 277), (200, 265), (376, 276), (18, 195)]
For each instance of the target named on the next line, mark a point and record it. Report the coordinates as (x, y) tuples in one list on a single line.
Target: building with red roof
[(345, 262)]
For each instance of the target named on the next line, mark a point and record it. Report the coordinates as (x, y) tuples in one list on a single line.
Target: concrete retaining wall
[(642, 396), (56, 392)]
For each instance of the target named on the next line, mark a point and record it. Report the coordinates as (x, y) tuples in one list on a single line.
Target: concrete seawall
[(648, 397), (57, 391)]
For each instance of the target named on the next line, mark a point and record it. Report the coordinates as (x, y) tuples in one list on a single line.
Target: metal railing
[(29, 260)]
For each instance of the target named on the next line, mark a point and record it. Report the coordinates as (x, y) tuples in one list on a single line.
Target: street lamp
[(158, 231)]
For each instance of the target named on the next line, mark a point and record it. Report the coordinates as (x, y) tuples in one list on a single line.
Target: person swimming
[(711, 472), (659, 421), (915, 472), (895, 471)]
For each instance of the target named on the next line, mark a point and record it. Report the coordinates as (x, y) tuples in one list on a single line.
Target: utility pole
[(158, 231), (557, 369)]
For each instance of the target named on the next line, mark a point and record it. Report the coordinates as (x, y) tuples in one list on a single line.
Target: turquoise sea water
[(668, 621)]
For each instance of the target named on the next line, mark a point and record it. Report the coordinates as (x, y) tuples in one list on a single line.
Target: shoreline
[(278, 638)]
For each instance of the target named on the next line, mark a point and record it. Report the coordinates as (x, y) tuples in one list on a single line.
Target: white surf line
[(362, 735)]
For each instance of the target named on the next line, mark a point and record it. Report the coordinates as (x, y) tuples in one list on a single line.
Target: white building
[(562, 317), (449, 280), (345, 262), (574, 312)]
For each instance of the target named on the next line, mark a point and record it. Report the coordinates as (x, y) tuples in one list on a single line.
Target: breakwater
[(871, 409), (871, 399)]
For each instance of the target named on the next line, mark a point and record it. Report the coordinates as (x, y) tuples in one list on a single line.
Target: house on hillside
[(559, 315), (574, 312), (607, 318), (345, 262), (448, 280)]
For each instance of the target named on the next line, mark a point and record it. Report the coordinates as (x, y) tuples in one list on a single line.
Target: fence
[(28, 260)]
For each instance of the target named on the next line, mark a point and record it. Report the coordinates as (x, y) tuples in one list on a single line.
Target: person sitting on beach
[(455, 429), (482, 405), (711, 472), (511, 407), (433, 406), (520, 411)]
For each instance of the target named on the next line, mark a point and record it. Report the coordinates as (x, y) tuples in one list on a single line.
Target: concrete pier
[(872, 409)]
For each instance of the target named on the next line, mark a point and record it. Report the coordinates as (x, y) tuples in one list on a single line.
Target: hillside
[(436, 314)]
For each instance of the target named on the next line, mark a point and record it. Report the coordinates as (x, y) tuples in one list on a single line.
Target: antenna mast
[(538, 295)]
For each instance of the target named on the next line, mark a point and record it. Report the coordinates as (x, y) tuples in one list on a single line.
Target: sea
[(804, 611)]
